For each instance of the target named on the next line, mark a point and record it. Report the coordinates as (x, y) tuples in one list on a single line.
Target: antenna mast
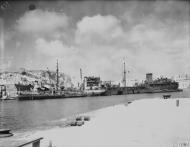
[(57, 80), (124, 75)]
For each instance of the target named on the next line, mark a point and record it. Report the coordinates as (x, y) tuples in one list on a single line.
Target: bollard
[(36, 144), (177, 103), (86, 118)]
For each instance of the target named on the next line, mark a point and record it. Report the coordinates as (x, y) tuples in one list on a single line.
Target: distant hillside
[(32, 76)]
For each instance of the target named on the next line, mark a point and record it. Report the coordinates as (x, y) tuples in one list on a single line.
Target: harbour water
[(22, 116)]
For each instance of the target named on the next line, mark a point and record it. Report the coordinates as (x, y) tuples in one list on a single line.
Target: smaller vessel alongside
[(5, 133), (4, 95), (8, 98)]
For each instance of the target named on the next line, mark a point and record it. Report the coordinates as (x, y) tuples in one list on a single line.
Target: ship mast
[(124, 75), (57, 74), (81, 75)]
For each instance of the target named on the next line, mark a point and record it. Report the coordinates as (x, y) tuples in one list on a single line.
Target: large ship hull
[(136, 90), (161, 85), (49, 96), (99, 92)]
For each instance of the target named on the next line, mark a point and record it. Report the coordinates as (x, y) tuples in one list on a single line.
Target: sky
[(97, 36)]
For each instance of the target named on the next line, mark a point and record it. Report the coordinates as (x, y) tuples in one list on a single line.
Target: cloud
[(98, 29), (53, 48), (142, 34), (150, 44), (172, 10), (160, 49), (50, 50), (41, 21), (154, 36)]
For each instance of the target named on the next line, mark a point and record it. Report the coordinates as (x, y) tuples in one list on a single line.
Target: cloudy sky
[(152, 36)]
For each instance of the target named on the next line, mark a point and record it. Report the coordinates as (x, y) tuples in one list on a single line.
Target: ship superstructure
[(92, 86), (158, 85)]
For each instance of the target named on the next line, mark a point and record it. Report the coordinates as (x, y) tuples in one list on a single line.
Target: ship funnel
[(149, 78)]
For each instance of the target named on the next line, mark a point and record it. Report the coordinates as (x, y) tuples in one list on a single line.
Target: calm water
[(26, 115)]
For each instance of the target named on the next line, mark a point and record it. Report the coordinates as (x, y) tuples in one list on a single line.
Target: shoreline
[(151, 122)]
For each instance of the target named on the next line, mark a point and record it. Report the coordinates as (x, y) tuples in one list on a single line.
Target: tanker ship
[(159, 85)]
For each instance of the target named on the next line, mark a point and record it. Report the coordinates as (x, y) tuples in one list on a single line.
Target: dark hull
[(21, 87), (161, 88), (43, 97), (113, 91), (136, 90)]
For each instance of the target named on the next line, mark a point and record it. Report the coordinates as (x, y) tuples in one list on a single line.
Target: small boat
[(5, 133), (6, 97), (10, 98)]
